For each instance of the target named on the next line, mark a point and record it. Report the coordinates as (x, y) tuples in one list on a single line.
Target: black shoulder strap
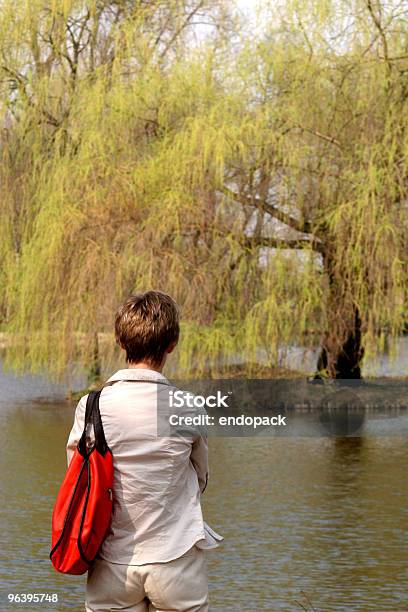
[(89, 407), (100, 440), (92, 415)]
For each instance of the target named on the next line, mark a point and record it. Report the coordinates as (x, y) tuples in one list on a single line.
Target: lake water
[(309, 522)]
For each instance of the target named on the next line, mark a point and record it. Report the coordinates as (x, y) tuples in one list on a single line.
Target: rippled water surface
[(307, 522)]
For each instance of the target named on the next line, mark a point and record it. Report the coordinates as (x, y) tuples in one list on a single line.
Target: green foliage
[(262, 184)]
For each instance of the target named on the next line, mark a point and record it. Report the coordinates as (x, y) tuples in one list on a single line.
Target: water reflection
[(341, 413), (323, 516)]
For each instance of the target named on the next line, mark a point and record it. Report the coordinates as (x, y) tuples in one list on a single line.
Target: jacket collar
[(139, 374)]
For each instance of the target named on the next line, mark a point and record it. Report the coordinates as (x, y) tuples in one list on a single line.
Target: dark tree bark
[(342, 351), (343, 362)]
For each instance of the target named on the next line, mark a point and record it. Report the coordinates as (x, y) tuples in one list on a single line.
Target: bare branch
[(378, 25), (271, 209), (329, 139), (279, 243), (181, 28)]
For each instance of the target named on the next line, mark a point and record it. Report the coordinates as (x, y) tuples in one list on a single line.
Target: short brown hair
[(145, 326)]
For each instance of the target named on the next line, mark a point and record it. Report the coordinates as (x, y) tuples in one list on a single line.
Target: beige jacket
[(157, 481)]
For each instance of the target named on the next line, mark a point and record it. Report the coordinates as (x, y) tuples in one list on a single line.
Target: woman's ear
[(171, 347)]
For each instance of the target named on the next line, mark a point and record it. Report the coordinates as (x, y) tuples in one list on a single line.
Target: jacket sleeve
[(77, 429), (199, 459)]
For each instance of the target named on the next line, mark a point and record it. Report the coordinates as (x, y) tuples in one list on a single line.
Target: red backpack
[(83, 509)]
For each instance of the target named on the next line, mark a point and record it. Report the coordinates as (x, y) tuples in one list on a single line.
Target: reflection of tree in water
[(346, 460), (348, 450), (341, 413)]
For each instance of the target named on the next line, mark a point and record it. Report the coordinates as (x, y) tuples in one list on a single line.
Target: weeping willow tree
[(261, 180), (337, 73), (86, 113)]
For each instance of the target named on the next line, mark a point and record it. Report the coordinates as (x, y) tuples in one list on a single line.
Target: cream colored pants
[(180, 585)]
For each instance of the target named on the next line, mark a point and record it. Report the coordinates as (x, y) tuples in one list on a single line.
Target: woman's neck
[(142, 365)]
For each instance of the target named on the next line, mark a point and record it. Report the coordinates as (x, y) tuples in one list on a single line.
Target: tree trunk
[(344, 361), (342, 352)]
